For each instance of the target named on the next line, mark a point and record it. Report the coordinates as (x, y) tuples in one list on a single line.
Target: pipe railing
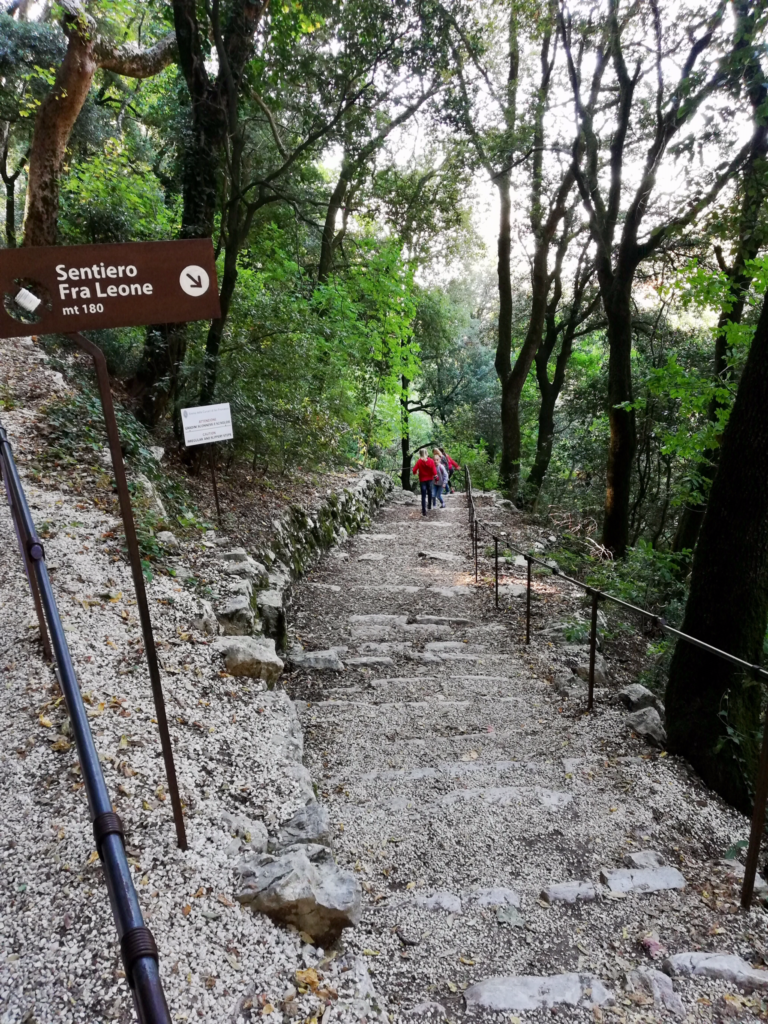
[(137, 945), (755, 671)]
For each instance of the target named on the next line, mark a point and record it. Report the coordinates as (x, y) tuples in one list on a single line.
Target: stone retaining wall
[(261, 600)]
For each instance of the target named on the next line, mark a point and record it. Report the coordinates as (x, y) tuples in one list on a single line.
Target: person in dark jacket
[(427, 471), (441, 480)]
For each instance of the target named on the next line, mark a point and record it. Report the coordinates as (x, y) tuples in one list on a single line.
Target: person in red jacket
[(427, 471)]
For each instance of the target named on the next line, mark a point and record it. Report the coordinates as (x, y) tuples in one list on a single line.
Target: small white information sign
[(206, 423)]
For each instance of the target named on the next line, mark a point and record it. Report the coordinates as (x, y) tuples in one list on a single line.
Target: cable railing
[(755, 671), (137, 945)]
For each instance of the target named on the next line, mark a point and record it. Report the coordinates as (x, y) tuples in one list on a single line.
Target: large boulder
[(253, 657), (647, 723), (236, 616), (635, 697), (303, 887)]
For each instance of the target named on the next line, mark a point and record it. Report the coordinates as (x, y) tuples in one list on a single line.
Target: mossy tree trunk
[(713, 710)]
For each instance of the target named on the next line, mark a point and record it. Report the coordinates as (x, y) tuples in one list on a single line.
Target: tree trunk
[(216, 330), (10, 213), (60, 108), (507, 470), (621, 451), (329, 243), (53, 125), (550, 392), (157, 379), (544, 439), (405, 436), (713, 711)]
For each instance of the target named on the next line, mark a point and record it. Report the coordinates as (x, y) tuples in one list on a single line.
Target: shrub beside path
[(516, 854)]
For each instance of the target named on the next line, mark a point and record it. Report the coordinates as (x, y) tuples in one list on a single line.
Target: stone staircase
[(514, 855)]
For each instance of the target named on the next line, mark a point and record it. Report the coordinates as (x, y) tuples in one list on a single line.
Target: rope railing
[(137, 945), (755, 671)]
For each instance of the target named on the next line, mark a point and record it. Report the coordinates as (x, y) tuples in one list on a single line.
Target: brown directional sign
[(62, 289)]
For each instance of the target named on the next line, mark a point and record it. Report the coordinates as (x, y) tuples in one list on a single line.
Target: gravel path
[(238, 756), (460, 785)]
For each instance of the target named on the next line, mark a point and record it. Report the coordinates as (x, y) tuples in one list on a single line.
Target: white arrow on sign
[(194, 280)]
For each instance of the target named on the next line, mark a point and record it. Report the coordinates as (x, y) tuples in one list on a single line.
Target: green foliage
[(647, 577), (113, 197)]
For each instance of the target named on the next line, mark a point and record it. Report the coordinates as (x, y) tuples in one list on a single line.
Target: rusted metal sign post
[(66, 289)]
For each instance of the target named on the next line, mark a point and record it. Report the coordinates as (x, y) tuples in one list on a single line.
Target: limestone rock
[(528, 992), (371, 662), (242, 587), (252, 832), (251, 657), (272, 610), (451, 592), (308, 825), (567, 684), (303, 887), (495, 897), (447, 901), (659, 987), (646, 723), (440, 556), (236, 616), (642, 879), (319, 661), (426, 1008), (510, 590), (205, 618), (439, 620), (247, 569), (635, 697), (168, 540), (644, 859), (568, 892), (725, 966), (235, 555), (602, 677), (736, 868)]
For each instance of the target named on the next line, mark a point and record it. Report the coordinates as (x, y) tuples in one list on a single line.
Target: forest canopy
[(532, 231)]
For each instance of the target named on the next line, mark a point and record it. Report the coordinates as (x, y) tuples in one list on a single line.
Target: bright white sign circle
[(194, 280)]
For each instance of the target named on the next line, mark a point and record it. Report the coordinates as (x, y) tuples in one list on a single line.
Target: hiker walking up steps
[(427, 471), (441, 479)]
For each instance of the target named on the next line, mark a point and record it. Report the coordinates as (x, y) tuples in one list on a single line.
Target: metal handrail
[(756, 671), (137, 945)]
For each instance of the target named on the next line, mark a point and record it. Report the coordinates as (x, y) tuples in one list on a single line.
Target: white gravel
[(237, 750)]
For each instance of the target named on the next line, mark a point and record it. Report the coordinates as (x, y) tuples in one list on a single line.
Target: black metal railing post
[(496, 563), (138, 949), (477, 545), (528, 601), (41, 624), (592, 652)]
